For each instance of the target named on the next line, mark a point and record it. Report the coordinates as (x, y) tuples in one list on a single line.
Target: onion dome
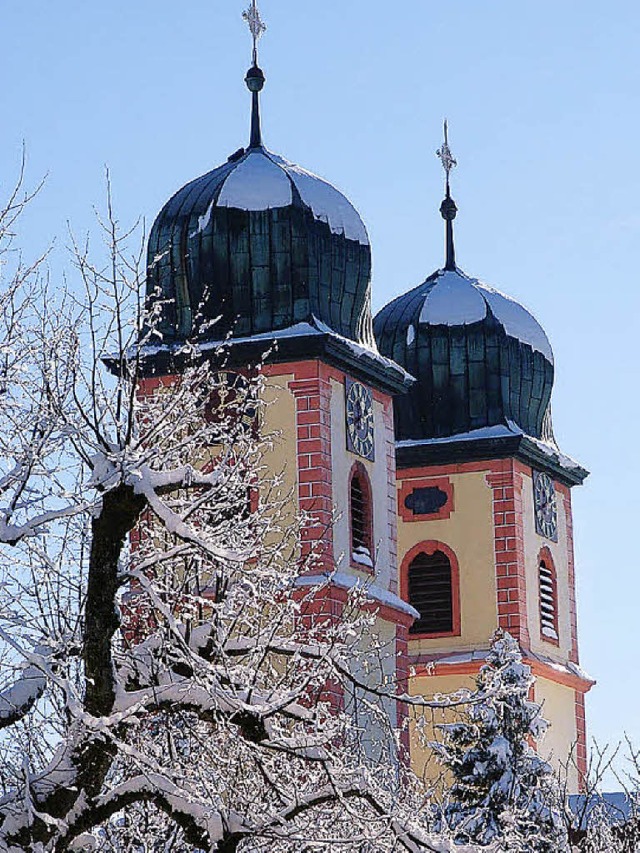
[(481, 360), (256, 246)]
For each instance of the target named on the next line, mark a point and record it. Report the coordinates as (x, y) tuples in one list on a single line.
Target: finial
[(448, 209), (255, 77), (257, 27)]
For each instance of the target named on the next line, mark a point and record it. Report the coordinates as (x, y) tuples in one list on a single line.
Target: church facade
[(420, 441)]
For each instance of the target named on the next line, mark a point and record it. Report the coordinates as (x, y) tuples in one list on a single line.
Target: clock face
[(232, 398), (545, 506), (359, 410)]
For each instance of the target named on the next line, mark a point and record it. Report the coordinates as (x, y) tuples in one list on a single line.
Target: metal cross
[(257, 27), (445, 155)]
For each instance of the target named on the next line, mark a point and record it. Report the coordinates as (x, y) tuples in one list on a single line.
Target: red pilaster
[(392, 527), (506, 484), (402, 686), (581, 739), (313, 430), (571, 571)]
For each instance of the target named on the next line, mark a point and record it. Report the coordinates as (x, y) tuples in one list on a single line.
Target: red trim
[(490, 465), (408, 486), (358, 470), (148, 384), (320, 610), (299, 369), (567, 679), (540, 669), (315, 496), (508, 527), (545, 558), (581, 740), (315, 368), (436, 669), (429, 547), (402, 681), (392, 500), (571, 572)]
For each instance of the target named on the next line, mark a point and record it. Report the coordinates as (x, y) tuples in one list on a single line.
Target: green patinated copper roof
[(480, 359)]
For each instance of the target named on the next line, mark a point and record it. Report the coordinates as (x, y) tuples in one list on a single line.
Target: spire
[(255, 77), (448, 209)]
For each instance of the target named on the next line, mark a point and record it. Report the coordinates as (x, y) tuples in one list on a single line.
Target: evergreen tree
[(503, 792)]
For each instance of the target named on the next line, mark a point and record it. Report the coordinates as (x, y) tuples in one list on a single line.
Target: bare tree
[(166, 683), (598, 821)]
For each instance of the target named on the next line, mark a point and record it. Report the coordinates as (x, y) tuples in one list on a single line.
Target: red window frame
[(358, 470), (545, 559), (429, 547)]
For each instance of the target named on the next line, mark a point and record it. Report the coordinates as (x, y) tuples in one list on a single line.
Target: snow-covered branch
[(155, 554)]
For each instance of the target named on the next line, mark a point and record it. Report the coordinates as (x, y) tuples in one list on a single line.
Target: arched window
[(548, 592), (431, 593), (361, 516)]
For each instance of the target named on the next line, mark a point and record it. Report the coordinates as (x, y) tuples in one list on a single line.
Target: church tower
[(419, 446), (483, 492), (260, 256)]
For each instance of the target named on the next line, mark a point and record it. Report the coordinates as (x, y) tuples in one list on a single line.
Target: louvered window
[(430, 592), (360, 521), (548, 602)]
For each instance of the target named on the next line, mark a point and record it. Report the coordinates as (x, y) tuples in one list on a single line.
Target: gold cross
[(257, 27), (445, 155)]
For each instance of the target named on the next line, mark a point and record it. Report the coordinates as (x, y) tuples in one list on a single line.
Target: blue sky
[(542, 100)]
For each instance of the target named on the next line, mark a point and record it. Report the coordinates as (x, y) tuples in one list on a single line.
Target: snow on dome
[(517, 321), (256, 184), (263, 180), (196, 247), (327, 203), (453, 301)]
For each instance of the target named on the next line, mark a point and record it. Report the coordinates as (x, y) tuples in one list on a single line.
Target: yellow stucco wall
[(558, 745), (558, 708), (469, 533), (423, 723), (279, 426)]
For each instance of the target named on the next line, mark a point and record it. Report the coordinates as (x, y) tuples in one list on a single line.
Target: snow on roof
[(256, 184), (517, 321), (453, 301), (327, 203), (456, 299), (263, 180)]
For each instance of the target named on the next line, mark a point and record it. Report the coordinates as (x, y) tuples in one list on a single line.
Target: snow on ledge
[(346, 581), (555, 454), (302, 329), (479, 655), (498, 431)]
